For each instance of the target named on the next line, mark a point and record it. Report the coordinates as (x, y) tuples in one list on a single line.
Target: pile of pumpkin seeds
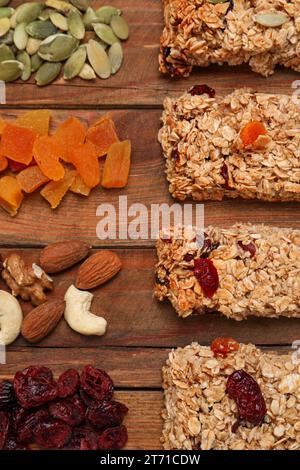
[(45, 38)]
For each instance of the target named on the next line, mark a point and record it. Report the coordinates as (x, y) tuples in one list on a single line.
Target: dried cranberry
[(70, 411), (12, 444), (207, 276), (34, 386), (87, 400), (166, 52), (4, 428), (250, 247), (7, 395), (188, 257), (246, 392), (68, 383), (113, 438), (223, 346), (106, 414), (175, 155), (82, 439), (201, 90), (97, 383), (52, 433), (225, 175), (25, 430)]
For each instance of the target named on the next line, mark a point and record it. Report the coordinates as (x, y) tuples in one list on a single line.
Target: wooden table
[(141, 330)]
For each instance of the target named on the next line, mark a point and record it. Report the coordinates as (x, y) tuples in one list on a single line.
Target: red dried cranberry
[(12, 444), (245, 391), (68, 383), (7, 395), (4, 428), (97, 383), (106, 414), (207, 276), (25, 430), (113, 438), (201, 90), (34, 386), (188, 257), (70, 411), (225, 175), (82, 439), (250, 247), (87, 400), (175, 155), (52, 434), (224, 346)]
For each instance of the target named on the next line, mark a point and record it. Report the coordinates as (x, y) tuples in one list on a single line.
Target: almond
[(98, 269), (62, 255), (42, 320)]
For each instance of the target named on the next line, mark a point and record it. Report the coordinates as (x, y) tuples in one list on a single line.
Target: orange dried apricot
[(79, 187), (54, 191), (102, 134), (46, 153), (11, 196), (85, 159), (17, 143), (31, 179), (37, 120), (3, 163), (251, 131), (69, 135), (15, 167), (117, 165), (2, 126)]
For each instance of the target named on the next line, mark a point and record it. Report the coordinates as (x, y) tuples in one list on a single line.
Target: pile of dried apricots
[(67, 160)]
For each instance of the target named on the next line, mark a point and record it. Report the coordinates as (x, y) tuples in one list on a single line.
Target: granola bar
[(199, 414), (263, 33), (208, 158), (241, 271)]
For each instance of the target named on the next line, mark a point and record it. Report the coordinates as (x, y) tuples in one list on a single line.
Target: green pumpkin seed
[(60, 5), (4, 26), (20, 36), (33, 45), (271, 19), (115, 54), (106, 13), (98, 59), (59, 20), (6, 12), (105, 33), (87, 72), (75, 63), (8, 38), (24, 58), (6, 53), (88, 18), (45, 15), (76, 26), (82, 5), (58, 47), (41, 29), (28, 12), (3, 3), (13, 19), (36, 62), (11, 70), (47, 72), (119, 27)]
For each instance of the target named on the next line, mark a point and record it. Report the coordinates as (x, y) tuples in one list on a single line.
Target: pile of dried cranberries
[(76, 412)]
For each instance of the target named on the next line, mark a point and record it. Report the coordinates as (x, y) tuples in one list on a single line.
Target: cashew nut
[(11, 318), (78, 315)]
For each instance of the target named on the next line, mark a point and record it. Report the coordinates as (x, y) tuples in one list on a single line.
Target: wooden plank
[(139, 82)]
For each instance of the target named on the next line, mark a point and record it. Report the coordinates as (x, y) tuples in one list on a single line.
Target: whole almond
[(98, 269), (42, 320), (62, 255)]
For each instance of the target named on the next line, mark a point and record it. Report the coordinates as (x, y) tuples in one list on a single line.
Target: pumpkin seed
[(105, 33), (20, 36), (6, 53), (3, 3), (58, 47), (218, 1), (13, 19), (271, 19), (87, 72), (89, 17), (106, 13), (75, 63), (98, 59), (6, 12), (33, 45), (36, 62), (115, 54), (61, 6), (41, 29), (103, 44), (45, 15), (59, 20), (11, 70), (28, 12), (82, 5), (47, 72), (76, 26), (24, 58), (8, 38), (4, 26), (119, 27)]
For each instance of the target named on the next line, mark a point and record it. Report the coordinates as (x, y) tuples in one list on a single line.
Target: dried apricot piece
[(70, 134), (31, 179), (17, 143), (79, 187), (54, 191), (251, 131), (2, 126), (11, 196), (46, 153), (3, 163), (37, 120), (84, 158), (117, 165), (102, 134), (16, 167)]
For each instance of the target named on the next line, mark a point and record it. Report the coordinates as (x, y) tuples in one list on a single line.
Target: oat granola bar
[(199, 414), (263, 33), (241, 271), (208, 156)]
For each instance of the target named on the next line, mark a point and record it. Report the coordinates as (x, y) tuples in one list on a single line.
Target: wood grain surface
[(141, 330)]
